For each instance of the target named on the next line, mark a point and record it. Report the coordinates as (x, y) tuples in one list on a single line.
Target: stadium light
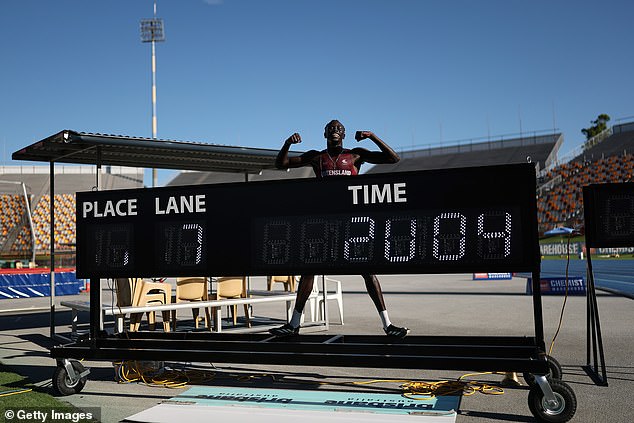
[(152, 32)]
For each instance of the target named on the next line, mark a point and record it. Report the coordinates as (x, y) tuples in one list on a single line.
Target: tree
[(599, 125)]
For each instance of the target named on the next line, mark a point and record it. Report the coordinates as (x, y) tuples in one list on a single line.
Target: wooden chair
[(137, 292), (288, 281), (192, 289), (230, 287)]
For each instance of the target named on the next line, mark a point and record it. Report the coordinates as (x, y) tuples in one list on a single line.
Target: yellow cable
[(563, 306), (132, 371), (23, 391)]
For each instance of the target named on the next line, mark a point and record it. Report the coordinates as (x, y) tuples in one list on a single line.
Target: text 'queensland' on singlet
[(340, 165)]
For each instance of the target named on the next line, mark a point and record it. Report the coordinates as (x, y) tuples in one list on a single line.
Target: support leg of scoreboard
[(595, 358)]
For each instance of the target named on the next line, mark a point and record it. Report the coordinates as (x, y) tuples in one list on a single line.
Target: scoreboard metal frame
[(440, 221), (609, 223)]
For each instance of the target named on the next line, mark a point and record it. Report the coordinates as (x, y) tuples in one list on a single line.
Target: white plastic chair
[(316, 298)]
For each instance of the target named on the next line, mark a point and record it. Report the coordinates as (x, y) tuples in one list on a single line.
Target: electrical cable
[(14, 392), (169, 377), (563, 306)]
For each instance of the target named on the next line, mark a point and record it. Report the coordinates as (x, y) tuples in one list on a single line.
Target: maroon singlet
[(341, 165)]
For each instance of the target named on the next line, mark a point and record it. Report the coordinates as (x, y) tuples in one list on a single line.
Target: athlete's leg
[(373, 287), (376, 294), (303, 292)]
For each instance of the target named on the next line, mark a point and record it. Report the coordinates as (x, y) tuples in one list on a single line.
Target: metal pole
[(537, 310), (324, 287), (28, 213), (152, 32), (154, 122), (95, 288), (52, 247)]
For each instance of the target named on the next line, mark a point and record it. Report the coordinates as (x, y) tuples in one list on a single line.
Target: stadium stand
[(15, 233), (64, 225), (619, 142), (13, 209), (610, 159), (539, 149), (200, 178), (560, 198)]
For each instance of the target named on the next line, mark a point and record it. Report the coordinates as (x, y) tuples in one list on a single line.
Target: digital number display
[(441, 221), (110, 247), (181, 244), (419, 238), (609, 215)]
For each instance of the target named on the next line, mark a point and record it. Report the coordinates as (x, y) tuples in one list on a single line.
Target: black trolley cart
[(441, 221)]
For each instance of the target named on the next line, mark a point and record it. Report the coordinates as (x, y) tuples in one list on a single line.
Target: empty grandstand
[(16, 240), (200, 178), (609, 159), (617, 141), (540, 149)]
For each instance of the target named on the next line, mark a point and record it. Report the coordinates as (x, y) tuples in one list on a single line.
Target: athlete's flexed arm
[(386, 155), (284, 162)]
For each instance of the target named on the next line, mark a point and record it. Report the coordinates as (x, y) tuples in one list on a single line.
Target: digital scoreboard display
[(609, 215), (479, 219)]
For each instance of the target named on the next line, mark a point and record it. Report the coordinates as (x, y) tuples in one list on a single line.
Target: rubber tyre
[(62, 385), (562, 413), (555, 372)]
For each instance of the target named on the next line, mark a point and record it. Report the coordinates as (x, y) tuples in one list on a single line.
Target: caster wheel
[(554, 372), (561, 411), (62, 385)]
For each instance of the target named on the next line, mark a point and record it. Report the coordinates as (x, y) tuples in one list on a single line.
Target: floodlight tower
[(152, 32)]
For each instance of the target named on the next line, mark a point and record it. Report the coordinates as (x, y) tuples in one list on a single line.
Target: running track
[(613, 275)]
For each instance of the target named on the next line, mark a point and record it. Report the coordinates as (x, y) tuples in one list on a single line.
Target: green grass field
[(17, 393)]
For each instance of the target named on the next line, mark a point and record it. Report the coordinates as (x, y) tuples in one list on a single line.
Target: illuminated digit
[(99, 248), (619, 215), (276, 242), (449, 236), (318, 241), (400, 239), (494, 235), (190, 244), (119, 248), (359, 244), (423, 224), (170, 235), (112, 246)]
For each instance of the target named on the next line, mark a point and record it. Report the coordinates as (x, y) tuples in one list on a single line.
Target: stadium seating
[(64, 225), (559, 189), (562, 203), (13, 209)]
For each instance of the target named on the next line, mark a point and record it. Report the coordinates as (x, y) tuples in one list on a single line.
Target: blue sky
[(252, 72)]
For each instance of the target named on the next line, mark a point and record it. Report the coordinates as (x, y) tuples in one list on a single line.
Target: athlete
[(337, 161)]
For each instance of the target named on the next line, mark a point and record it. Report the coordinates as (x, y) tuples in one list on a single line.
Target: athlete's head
[(334, 132)]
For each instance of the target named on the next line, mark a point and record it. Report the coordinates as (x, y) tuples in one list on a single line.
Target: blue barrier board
[(557, 286)]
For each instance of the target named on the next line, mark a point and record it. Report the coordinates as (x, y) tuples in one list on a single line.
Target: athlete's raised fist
[(294, 139), (361, 135)]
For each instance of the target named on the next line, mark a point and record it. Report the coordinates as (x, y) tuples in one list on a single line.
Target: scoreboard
[(609, 214), (480, 219)]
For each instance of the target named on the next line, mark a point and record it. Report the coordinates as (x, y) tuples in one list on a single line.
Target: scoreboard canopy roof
[(69, 146)]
